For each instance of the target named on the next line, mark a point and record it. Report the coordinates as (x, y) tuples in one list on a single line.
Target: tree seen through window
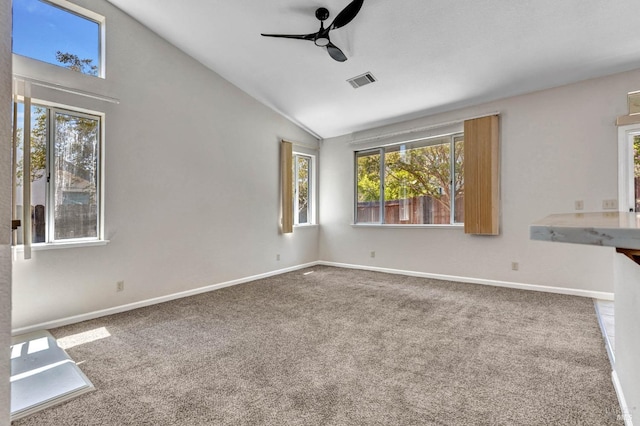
[(423, 182)]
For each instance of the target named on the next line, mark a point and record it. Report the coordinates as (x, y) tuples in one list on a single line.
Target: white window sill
[(398, 226), (306, 225), (61, 245)]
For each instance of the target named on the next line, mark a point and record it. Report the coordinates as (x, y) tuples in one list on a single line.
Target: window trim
[(99, 239), (52, 187), (61, 245), (312, 179), (458, 226), (381, 150), (626, 195)]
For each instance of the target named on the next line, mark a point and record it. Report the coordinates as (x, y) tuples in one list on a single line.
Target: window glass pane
[(418, 183), (18, 204), (37, 174), (636, 171), (76, 147), (458, 180), (368, 196), (419, 188), (39, 118), (302, 190), (50, 34)]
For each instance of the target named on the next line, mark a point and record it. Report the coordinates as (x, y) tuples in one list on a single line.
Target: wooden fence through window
[(410, 211)]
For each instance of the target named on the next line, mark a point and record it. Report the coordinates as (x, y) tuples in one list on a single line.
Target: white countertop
[(611, 229)]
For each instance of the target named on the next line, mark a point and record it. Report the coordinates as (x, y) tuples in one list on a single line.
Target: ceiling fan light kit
[(321, 37)]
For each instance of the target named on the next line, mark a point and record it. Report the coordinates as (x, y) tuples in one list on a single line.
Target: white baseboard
[(521, 286), (624, 409), (141, 304)]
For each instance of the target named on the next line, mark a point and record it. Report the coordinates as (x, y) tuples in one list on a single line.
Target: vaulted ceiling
[(428, 56)]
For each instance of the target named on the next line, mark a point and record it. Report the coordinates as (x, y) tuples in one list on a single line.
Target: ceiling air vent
[(362, 80)]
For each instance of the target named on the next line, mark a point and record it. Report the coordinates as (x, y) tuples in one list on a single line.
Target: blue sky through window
[(41, 29)]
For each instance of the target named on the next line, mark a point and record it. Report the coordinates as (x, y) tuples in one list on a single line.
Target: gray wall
[(5, 206), (191, 182), (557, 146)]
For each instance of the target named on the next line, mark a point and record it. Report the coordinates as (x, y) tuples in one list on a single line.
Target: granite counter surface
[(609, 229)]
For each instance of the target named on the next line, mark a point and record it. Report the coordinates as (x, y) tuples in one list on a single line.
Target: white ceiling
[(428, 55)]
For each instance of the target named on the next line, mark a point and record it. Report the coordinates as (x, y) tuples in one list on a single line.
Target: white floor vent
[(362, 80)]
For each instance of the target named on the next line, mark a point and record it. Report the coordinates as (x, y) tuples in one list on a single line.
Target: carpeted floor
[(346, 347)]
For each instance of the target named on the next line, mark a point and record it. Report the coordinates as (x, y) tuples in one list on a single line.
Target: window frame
[(381, 150), (89, 15), (311, 189), (50, 241), (363, 153), (626, 184)]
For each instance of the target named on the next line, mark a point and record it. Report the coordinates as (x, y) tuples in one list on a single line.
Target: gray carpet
[(345, 347)]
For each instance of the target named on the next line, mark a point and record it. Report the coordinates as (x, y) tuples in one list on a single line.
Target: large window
[(64, 174), (303, 189), (66, 35), (413, 183)]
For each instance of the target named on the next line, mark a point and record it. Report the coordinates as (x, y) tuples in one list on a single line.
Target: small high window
[(58, 33)]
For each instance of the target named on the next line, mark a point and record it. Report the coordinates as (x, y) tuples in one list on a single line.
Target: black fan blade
[(298, 37), (335, 52), (347, 14)]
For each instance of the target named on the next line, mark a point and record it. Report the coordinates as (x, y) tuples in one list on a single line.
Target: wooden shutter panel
[(286, 171), (482, 176)]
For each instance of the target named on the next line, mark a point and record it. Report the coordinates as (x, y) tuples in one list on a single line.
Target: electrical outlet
[(278, 256), (120, 286), (579, 205), (515, 266), (372, 254), (609, 204)]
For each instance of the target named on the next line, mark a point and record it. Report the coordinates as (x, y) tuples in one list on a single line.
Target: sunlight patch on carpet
[(84, 337)]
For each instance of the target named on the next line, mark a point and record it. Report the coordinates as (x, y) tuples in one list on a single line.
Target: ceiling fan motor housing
[(322, 13)]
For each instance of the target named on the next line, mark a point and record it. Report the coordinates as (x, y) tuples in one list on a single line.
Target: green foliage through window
[(47, 31), (413, 183), (636, 155), (73, 62), (303, 189)]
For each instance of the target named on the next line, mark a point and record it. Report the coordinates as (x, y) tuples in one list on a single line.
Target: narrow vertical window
[(636, 171), (75, 168), (369, 186), (458, 179), (37, 173), (303, 189), (629, 168)]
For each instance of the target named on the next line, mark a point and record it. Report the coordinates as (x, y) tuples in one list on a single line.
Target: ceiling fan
[(321, 38)]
